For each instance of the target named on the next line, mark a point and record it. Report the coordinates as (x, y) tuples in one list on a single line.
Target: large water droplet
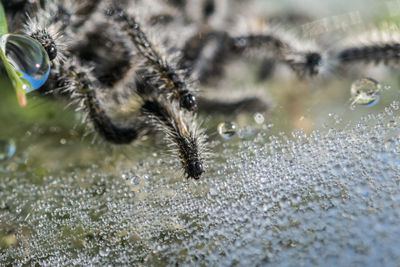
[(7, 149), (28, 57), (366, 91), (227, 130)]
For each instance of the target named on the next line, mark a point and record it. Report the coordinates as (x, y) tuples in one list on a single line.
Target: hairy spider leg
[(81, 87), (228, 47), (187, 140), (167, 76), (375, 53)]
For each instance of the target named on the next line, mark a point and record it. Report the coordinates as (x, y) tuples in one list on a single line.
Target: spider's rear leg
[(206, 53), (376, 53)]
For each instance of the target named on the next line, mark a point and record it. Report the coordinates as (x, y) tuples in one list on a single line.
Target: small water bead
[(366, 92), (28, 57), (104, 252), (227, 130), (135, 180), (7, 149), (213, 192), (259, 118)]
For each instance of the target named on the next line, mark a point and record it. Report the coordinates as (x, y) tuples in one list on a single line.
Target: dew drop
[(227, 130), (27, 57), (213, 192), (104, 252), (366, 92), (259, 118), (7, 149), (135, 180)]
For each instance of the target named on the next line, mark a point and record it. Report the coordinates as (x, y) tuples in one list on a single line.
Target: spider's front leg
[(182, 133), (165, 76), (187, 140), (179, 127), (158, 113), (377, 52)]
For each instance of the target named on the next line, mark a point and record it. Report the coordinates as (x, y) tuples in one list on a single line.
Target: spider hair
[(47, 35), (208, 61), (80, 85), (165, 74), (185, 137), (377, 47)]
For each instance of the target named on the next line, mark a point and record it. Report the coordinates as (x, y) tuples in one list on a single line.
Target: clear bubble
[(7, 149), (213, 192), (135, 180), (227, 130), (28, 57), (259, 118), (366, 92)]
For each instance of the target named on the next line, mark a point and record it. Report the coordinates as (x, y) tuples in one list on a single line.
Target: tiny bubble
[(259, 118)]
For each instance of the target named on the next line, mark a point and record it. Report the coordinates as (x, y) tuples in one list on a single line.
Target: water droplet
[(7, 149), (28, 57), (227, 130), (104, 252), (259, 118), (365, 91), (135, 180), (213, 192)]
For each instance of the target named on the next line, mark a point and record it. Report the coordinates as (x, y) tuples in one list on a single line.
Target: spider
[(103, 55), (138, 66)]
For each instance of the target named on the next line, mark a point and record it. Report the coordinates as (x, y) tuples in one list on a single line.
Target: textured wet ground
[(326, 198)]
